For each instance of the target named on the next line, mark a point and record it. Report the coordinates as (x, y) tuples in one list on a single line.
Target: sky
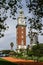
[(10, 33)]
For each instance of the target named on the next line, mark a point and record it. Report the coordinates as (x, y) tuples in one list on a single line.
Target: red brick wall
[(20, 34)]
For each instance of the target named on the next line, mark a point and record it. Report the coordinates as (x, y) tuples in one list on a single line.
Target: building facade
[(34, 40), (21, 31)]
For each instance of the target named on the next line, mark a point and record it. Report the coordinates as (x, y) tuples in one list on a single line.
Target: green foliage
[(6, 5), (29, 58), (35, 47), (41, 59), (30, 53), (12, 2), (5, 51), (38, 50), (36, 7)]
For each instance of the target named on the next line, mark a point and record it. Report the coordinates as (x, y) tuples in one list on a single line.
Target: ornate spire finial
[(21, 11)]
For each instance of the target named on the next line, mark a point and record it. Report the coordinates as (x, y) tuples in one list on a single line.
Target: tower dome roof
[(21, 11)]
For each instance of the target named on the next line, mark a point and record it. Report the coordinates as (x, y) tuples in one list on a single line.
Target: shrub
[(30, 53), (41, 59), (29, 58)]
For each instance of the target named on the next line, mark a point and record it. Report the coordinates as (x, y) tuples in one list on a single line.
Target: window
[(22, 36), (22, 31), (22, 27)]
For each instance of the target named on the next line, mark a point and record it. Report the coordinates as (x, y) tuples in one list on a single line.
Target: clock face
[(21, 21)]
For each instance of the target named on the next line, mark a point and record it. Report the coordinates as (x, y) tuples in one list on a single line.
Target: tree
[(41, 49), (38, 51), (5, 6), (27, 49), (5, 51), (11, 44), (36, 7)]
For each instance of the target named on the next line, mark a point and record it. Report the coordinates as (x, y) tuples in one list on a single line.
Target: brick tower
[(21, 31)]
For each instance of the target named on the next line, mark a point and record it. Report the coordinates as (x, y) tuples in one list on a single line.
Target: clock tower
[(21, 31)]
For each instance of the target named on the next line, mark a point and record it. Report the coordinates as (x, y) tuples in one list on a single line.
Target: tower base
[(19, 48)]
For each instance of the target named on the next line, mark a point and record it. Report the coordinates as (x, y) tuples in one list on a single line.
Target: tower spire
[(21, 11)]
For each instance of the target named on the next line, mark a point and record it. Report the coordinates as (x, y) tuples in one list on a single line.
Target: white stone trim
[(24, 47), (20, 47)]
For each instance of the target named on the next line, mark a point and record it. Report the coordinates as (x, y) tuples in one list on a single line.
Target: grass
[(3, 62)]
